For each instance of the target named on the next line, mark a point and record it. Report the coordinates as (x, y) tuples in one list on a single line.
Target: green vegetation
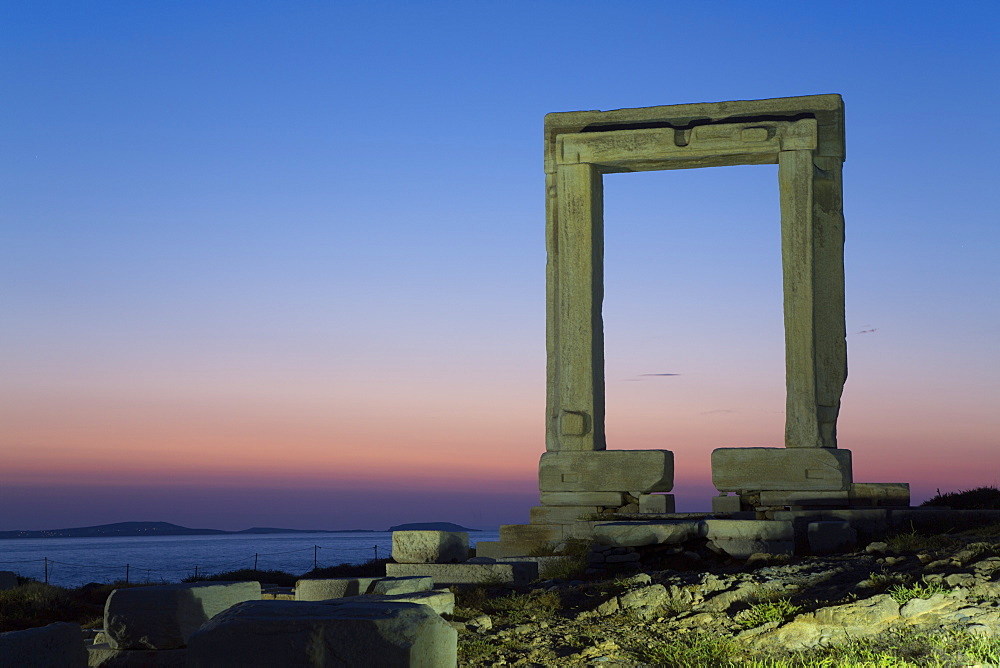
[(689, 651), (912, 541), (903, 593), (781, 610), (36, 604), (980, 498)]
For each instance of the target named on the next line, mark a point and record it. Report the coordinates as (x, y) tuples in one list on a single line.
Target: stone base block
[(759, 530), (817, 498), (542, 534), (870, 524), (783, 469), (58, 644), (430, 547), (326, 588), (726, 504), (517, 573), (739, 548), (164, 616), (830, 537), (880, 494), (101, 654), (633, 534), (350, 632), (606, 471), (656, 503), (605, 499), (562, 514)]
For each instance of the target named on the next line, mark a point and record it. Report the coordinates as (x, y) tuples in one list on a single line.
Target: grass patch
[(517, 608), (280, 578), (689, 651)]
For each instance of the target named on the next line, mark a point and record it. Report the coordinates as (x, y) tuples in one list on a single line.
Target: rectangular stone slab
[(790, 469), (517, 572), (606, 471), (607, 499)]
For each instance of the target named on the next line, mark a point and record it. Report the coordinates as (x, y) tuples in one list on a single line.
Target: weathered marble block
[(606, 471), (54, 645), (165, 616), (429, 547), (345, 632), (323, 588), (785, 469)]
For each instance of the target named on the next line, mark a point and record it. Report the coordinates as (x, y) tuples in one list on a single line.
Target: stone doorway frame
[(804, 136)]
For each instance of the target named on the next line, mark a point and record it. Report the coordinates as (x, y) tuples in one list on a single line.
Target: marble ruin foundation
[(579, 479)]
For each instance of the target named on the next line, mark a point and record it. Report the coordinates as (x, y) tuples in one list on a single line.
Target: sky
[(283, 264)]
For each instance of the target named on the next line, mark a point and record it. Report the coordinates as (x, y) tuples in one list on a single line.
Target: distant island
[(125, 529), (128, 529), (430, 526)]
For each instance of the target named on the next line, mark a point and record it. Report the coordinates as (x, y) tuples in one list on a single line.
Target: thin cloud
[(868, 331), (660, 374)]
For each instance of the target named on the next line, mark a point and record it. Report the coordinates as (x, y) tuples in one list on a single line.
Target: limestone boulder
[(165, 616), (441, 601), (407, 584), (322, 589), (429, 547), (54, 646), (834, 625), (345, 634)]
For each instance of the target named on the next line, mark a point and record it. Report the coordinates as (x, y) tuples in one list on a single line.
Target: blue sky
[(300, 244)]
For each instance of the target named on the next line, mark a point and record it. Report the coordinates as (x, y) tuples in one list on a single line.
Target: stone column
[(812, 250), (574, 325)]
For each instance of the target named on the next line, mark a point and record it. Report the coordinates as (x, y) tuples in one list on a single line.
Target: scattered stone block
[(562, 514), (831, 536), (742, 548), (726, 504), (401, 585), (656, 503), (519, 572), (633, 534), (870, 524), (440, 601), (787, 469), (429, 547), (103, 655), (498, 549), (765, 530), (605, 499), (606, 471), (347, 632), (54, 646), (8, 580), (880, 494), (322, 589), (165, 616)]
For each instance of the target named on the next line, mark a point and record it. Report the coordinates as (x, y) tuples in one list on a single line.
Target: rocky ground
[(908, 600)]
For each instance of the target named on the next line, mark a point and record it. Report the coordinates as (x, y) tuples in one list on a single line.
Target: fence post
[(46, 570), (196, 572), (376, 553), (254, 562), (315, 557), (126, 573)]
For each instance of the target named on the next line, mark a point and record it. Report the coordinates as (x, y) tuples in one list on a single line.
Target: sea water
[(72, 562)]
